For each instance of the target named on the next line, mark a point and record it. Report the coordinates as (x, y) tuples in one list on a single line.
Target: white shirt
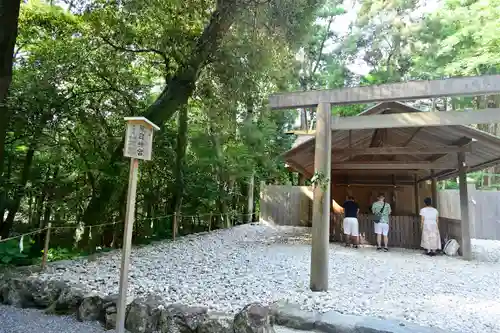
[(430, 214)]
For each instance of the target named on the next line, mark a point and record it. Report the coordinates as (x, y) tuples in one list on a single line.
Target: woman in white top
[(431, 240)]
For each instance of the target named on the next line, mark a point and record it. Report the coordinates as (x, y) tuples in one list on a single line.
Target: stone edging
[(149, 314), (290, 315)]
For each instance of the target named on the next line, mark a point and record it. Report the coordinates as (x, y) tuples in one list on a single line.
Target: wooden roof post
[(302, 179), (434, 190), (464, 207), (416, 195), (321, 203)]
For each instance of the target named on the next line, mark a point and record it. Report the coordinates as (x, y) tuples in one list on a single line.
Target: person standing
[(351, 225), (381, 210), (431, 240)]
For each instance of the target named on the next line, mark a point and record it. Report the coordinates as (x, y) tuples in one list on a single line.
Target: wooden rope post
[(210, 223), (46, 246), (174, 225)]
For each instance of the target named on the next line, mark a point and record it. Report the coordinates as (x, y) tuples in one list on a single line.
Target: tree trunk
[(118, 228), (233, 203), (9, 14), (251, 201), (180, 154), (6, 226), (96, 209), (303, 120), (20, 191), (175, 95)]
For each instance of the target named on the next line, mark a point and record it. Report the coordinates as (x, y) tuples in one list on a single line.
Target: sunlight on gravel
[(227, 269)]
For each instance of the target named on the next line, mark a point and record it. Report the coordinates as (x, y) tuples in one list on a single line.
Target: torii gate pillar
[(321, 203)]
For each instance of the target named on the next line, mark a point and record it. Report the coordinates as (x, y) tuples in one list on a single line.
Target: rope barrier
[(119, 222), (22, 235), (198, 215), (84, 226)]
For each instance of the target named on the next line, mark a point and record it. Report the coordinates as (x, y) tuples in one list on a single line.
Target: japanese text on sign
[(138, 141)]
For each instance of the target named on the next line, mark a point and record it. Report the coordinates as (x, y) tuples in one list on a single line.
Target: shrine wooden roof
[(398, 155)]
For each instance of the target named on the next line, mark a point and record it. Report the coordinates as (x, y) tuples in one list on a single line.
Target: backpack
[(451, 247)]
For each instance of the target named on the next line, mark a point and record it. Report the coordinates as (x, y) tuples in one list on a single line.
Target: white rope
[(112, 223)]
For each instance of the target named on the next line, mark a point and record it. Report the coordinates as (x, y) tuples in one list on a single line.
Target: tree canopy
[(202, 71)]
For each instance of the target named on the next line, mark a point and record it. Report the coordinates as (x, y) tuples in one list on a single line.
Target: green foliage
[(11, 254), (460, 39), (58, 253), (321, 180), (78, 72)]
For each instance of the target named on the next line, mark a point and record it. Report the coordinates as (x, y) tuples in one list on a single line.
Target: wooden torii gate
[(323, 100)]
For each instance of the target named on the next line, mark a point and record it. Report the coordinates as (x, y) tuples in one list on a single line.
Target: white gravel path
[(14, 320), (228, 269)]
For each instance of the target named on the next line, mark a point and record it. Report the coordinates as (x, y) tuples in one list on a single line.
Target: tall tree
[(202, 48), (382, 37), (9, 13)]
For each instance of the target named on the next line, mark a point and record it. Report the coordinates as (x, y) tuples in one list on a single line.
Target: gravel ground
[(228, 269), (486, 250), (13, 320)]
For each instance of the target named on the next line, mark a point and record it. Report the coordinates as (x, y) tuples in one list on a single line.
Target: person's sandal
[(379, 249), (386, 249)]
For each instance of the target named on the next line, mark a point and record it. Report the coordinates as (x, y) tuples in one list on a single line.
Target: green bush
[(11, 254), (58, 253)]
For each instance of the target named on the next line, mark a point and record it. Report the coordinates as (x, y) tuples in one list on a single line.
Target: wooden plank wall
[(404, 231), (449, 204), (486, 212), (285, 205), (401, 198), (450, 229), (484, 209)]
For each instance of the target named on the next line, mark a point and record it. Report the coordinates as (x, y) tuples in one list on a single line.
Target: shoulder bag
[(378, 216)]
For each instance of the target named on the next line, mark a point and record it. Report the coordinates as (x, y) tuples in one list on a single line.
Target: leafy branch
[(320, 179)]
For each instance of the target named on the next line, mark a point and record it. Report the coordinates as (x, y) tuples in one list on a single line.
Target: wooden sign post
[(138, 146)]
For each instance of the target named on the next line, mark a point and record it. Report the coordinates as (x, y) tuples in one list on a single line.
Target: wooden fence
[(285, 204), (450, 229), (484, 212), (404, 231), (292, 205)]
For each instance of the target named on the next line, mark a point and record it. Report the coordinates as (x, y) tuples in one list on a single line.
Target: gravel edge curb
[(291, 316), (57, 297)]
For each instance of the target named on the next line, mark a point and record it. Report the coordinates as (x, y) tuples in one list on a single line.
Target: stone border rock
[(144, 315), (149, 314), (291, 316)]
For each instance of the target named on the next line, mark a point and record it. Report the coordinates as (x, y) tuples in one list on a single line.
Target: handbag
[(378, 216)]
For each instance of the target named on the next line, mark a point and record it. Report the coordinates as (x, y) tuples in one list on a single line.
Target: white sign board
[(139, 140)]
